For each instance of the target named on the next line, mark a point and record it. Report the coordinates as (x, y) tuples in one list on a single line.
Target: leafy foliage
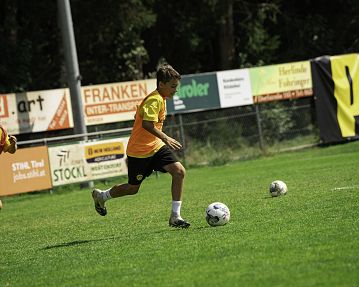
[(29, 46), (109, 42), (125, 40)]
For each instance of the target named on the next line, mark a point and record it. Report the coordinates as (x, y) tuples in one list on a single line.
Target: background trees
[(125, 40)]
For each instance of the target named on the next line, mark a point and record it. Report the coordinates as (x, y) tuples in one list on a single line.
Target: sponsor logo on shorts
[(139, 177)]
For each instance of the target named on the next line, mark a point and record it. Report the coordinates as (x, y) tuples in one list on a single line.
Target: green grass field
[(307, 238)]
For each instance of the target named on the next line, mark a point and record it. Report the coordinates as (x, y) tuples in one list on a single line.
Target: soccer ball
[(217, 214), (278, 188)]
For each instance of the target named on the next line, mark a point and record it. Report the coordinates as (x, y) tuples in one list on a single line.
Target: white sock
[(176, 208), (106, 194)]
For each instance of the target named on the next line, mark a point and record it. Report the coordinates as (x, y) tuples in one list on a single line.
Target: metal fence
[(220, 136)]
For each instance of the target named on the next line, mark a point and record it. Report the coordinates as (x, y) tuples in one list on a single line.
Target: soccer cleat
[(99, 202), (178, 222)]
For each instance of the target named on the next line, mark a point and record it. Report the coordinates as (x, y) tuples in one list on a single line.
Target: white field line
[(345, 187)]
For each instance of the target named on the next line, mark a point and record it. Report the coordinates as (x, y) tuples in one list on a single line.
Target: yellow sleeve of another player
[(6, 143), (151, 108)]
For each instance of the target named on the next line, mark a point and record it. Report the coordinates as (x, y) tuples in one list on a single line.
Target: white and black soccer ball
[(217, 214), (278, 188)]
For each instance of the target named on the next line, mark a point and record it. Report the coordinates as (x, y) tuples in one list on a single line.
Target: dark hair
[(166, 73)]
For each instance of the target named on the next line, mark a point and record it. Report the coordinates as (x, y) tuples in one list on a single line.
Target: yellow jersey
[(142, 143), (4, 140)]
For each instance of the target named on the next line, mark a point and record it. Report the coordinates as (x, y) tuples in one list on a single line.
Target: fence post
[(183, 139), (259, 125)]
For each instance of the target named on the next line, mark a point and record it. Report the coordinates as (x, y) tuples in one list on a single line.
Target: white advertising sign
[(68, 164), (88, 161), (114, 102), (37, 111), (106, 158), (234, 88)]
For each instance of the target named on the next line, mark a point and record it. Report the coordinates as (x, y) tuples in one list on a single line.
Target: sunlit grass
[(306, 238)]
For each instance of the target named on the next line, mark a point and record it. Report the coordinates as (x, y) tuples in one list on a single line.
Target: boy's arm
[(150, 127), (13, 145)]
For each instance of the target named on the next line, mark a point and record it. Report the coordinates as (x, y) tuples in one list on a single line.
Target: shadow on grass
[(73, 243), (189, 229), (80, 242)]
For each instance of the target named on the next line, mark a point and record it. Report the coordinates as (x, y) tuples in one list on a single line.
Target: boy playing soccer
[(149, 149)]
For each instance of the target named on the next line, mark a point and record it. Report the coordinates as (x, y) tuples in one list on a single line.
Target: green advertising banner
[(281, 82), (196, 93)]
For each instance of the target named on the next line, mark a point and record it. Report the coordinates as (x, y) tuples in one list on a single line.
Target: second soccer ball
[(277, 188)]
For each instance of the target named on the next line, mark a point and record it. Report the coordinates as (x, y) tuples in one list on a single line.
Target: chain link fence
[(219, 136)]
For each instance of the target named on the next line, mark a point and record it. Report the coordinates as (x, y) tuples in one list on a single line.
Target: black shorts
[(140, 168)]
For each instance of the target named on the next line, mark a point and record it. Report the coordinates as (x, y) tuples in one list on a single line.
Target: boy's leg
[(137, 171), (123, 189), (100, 197), (178, 173)]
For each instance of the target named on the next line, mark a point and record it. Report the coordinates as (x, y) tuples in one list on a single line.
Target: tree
[(29, 46), (109, 42), (125, 40), (318, 28)]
